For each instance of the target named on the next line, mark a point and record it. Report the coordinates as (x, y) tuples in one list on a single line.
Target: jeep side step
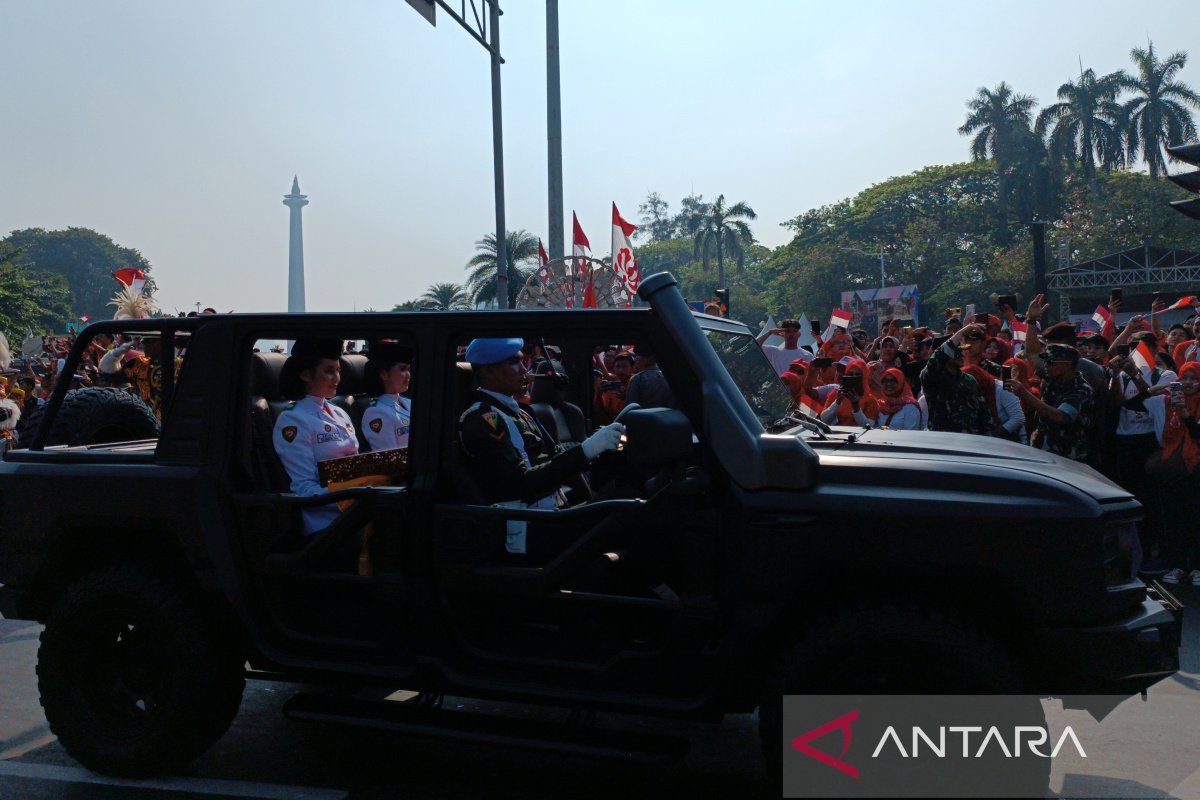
[(491, 729)]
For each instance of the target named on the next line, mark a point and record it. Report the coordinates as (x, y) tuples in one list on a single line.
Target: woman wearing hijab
[(816, 391), (848, 407), (997, 350), (1008, 417), (898, 409), (1176, 417)]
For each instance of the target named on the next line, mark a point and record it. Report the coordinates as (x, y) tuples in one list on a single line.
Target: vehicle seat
[(454, 471), (266, 405), (351, 396), (564, 420)]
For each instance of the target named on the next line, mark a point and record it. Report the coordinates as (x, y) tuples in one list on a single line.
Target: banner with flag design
[(624, 262)]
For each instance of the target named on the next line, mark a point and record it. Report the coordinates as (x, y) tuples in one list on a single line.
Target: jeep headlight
[(1122, 553)]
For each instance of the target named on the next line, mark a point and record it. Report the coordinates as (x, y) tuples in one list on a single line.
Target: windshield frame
[(779, 416)]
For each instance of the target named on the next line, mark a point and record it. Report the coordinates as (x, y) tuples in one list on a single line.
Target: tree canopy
[(84, 258), (30, 301)]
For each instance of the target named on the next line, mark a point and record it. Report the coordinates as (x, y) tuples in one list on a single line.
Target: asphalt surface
[(269, 756)]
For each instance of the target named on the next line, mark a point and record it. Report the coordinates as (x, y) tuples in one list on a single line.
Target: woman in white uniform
[(311, 429), (387, 420)]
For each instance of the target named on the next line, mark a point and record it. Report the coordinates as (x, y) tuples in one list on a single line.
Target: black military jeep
[(733, 551)]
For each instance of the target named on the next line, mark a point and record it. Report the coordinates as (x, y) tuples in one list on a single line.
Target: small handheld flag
[(1020, 330), (1101, 316), (1183, 302), (1143, 356)]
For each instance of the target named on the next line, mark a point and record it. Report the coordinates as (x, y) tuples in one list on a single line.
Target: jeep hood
[(959, 452)]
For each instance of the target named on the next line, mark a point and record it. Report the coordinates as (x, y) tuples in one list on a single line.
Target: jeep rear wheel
[(95, 415), (133, 680)]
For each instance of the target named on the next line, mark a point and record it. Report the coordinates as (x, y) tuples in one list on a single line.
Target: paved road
[(266, 755)]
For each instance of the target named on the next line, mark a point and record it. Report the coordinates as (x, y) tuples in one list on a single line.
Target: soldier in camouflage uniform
[(955, 399), (1065, 411)]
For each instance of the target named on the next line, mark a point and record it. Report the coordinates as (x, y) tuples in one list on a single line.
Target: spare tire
[(96, 415)]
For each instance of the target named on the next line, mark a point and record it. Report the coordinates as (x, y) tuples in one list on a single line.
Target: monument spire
[(295, 201)]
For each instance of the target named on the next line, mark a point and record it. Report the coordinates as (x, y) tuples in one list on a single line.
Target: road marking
[(37, 741), (268, 791)]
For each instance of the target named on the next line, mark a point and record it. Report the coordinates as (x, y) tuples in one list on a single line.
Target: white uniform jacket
[(386, 422), (309, 431)]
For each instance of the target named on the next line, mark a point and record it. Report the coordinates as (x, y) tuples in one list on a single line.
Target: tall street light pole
[(554, 133)]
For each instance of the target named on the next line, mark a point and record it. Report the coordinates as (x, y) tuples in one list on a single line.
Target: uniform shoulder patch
[(376, 424), (496, 427), (289, 433)]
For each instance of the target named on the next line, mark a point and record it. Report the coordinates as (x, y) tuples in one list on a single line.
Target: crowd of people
[(1124, 400)]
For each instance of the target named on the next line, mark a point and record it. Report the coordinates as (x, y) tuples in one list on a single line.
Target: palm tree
[(723, 227), (445, 297), (1002, 122), (521, 248), (1158, 113), (1086, 125)]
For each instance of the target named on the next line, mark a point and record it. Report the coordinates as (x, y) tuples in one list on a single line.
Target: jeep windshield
[(746, 363)]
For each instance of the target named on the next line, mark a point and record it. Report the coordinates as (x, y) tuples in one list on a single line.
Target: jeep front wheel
[(133, 680)]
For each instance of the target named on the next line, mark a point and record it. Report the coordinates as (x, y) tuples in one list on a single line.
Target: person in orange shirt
[(610, 392)]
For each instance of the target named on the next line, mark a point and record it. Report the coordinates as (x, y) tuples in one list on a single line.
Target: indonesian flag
[(131, 276), (580, 247), (1143, 356), (808, 406), (1183, 302), (623, 260), (1101, 316), (543, 264), (1019, 331), (838, 318), (85, 318)]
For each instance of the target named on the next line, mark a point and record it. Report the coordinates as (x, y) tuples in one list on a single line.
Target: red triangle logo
[(842, 723)]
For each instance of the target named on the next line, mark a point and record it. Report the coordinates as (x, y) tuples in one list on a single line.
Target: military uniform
[(1073, 439), (955, 399), (386, 422), (308, 431), (512, 458)]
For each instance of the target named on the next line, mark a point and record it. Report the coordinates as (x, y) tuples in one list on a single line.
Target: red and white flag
[(1183, 302), (132, 277), (1101, 316), (580, 247), (838, 318), (85, 318), (1019, 331), (1143, 356), (623, 260), (808, 406), (543, 264)]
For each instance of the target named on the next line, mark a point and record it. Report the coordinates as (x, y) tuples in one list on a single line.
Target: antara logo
[(1033, 736)]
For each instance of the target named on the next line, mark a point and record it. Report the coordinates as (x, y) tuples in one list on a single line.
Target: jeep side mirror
[(656, 437)]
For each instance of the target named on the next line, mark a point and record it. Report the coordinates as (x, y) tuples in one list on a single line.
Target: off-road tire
[(884, 649), (133, 679), (95, 415)]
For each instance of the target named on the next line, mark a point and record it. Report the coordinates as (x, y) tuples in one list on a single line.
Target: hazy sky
[(175, 127)]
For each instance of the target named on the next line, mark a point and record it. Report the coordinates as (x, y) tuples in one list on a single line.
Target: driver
[(511, 456)]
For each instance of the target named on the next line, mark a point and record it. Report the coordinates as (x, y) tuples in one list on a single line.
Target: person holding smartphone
[(611, 390), (954, 398), (1175, 410), (854, 403)]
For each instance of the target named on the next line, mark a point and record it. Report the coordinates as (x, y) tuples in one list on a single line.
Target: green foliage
[(29, 300), (721, 229), (1157, 115), (85, 258), (445, 297), (1087, 125), (408, 305), (522, 253)]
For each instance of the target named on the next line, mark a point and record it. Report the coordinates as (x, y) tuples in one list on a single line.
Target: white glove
[(603, 440), (110, 362)]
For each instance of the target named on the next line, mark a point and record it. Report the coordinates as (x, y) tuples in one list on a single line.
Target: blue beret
[(482, 352)]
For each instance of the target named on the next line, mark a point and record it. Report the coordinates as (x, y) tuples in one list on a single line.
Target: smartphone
[(853, 383), (1123, 350), (1155, 296), (981, 319), (1175, 391), (1009, 300), (1006, 372), (816, 327), (821, 362)]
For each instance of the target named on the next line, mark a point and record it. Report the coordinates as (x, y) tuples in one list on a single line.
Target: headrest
[(266, 370), (543, 390), (464, 386), (354, 374)]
